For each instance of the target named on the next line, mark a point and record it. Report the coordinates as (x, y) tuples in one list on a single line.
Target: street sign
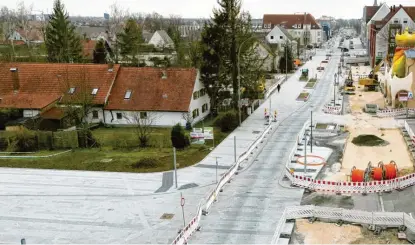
[(410, 95), (403, 96), (182, 201)]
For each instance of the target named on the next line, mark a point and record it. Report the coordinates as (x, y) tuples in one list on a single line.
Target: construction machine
[(371, 82), (349, 88)]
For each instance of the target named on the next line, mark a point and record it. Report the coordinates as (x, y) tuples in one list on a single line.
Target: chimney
[(394, 8), (375, 3), (15, 77), (110, 67)]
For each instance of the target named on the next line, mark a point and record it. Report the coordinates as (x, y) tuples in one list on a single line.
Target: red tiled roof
[(289, 20), (42, 84), (88, 47), (370, 12), (150, 92), (55, 113), (410, 10)]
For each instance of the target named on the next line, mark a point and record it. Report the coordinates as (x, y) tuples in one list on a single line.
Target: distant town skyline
[(203, 8)]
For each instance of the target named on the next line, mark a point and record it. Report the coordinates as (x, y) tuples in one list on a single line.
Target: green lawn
[(119, 151), (310, 85), (303, 96)]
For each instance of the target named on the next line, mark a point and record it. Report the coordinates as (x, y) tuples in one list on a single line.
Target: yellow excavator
[(371, 82)]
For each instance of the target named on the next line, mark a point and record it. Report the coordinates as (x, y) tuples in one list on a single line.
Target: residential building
[(92, 32), (163, 96), (279, 37), (326, 24), (33, 36), (38, 88), (161, 39), (266, 53), (301, 26), (398, 18)]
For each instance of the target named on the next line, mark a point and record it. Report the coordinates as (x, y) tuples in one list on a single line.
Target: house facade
[(49, 89), (265, 53), (400, 17), (161, 39), (301, 26), (157, 96)]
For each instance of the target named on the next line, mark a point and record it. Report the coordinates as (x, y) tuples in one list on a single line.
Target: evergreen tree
[(130, 40), (62, 42), (228, 33), (286, 62), (100, 53)]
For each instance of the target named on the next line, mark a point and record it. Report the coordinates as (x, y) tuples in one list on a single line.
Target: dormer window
[(94, 91), (71, 90), (127, 95)]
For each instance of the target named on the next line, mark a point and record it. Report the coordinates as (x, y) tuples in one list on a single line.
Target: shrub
[(146, 162), (227, 121), (23, 140), (179, 139)]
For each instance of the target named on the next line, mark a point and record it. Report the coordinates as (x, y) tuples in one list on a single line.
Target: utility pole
[(286, 61), (234, 148), (175, 165), (305, 155), (217, 169), (311, 130), (182, 202), (334, 89)]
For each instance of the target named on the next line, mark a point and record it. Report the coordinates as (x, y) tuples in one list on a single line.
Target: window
[(202, 92), (396, 21), (318, 34), (204, 108), (271, 37), (195, 113), (71, 91), (127, 94), (143, 115), (95, 114), (119, 115), (196, 95), (405, 21), (318, 40), (94, 91)]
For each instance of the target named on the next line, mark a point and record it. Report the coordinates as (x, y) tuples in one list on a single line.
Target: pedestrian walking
[(278, 87)]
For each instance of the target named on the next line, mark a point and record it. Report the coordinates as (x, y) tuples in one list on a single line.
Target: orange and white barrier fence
[(336, 110), (394, 112), (343, 187)]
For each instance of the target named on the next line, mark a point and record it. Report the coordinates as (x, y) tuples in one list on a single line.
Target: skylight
[(127, 95), (94, 91), (71, 90)]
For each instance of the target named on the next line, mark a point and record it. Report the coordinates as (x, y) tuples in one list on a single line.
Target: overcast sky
[(203, 8)]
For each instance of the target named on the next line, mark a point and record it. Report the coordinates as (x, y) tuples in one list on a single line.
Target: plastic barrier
[(384, 219), (336, 110), (203, 207), (394, 112)]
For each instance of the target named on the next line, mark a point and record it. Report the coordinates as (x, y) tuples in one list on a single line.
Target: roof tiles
[(288, 21), (42, 84), (150, 91)]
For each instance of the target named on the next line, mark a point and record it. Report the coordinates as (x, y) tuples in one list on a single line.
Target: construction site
[(372, 143)]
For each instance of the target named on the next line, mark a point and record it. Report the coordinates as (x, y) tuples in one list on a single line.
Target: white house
[(265, 52), (399, 16), (301, 26), (280, 36), (161, 39), (156, 96)]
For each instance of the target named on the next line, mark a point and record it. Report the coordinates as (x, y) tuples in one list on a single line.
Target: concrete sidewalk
[(49, 206)]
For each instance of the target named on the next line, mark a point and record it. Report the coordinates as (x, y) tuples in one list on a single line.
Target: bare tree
[(8, 22), (115, 25), (154, 22), (23, 13), (188, 117), (143, 123), (77, 100)]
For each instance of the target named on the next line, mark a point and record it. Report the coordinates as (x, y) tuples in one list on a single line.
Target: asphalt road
[(250, 207)]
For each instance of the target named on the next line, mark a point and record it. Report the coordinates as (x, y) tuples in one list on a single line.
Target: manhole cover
[(256, 132), (167, 216)]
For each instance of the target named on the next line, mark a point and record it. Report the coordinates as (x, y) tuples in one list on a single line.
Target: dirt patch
[(303, 96), (369, 140), (326, 200), (389, 236), (326, 233)]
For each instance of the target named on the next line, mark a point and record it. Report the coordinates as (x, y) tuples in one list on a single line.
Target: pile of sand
[(326, 233)]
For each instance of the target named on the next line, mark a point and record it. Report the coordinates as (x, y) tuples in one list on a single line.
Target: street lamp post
[(239, 79), (334, 89)]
